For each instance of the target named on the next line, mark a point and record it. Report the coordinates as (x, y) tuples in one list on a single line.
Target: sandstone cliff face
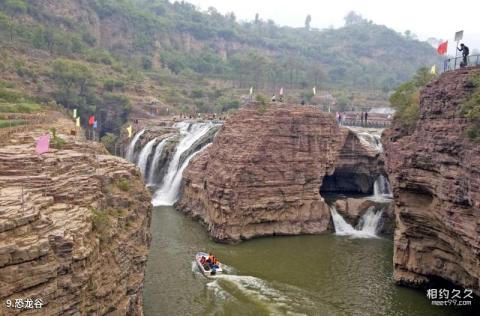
[(79, 239), (435, 174), (262, 174)]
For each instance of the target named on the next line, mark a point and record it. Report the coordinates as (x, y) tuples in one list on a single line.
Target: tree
[(353, 18), (257, 18), (307, 22)]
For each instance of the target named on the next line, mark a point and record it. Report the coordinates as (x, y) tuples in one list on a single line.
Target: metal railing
[(457, 62)]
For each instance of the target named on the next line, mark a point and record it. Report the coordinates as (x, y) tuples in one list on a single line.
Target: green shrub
[(406, 99), (471, 109), (57, 142), (123, 185), (100, 222)]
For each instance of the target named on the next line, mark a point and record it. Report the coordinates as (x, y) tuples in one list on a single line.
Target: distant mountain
[(173, 45)]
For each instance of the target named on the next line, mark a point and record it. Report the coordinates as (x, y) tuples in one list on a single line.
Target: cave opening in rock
[(348, 182)]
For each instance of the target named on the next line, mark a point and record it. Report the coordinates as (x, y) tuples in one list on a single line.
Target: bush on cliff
[(471, 109), (406, 99)]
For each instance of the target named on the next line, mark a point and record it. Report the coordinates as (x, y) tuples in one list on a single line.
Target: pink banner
[(43, 143)]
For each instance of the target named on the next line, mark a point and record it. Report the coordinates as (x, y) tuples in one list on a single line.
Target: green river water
[(301, 275)]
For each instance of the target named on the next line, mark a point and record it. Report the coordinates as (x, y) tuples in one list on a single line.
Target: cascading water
[(155, 161), (168, 192), (131, 147), (372, 139), (381, 189), (143, 157), (367, 228), (168, 195)]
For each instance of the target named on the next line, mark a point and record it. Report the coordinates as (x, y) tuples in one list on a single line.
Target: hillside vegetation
[(140, 57)]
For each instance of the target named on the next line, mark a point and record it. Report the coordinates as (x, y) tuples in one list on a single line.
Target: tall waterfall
[(367, 227), (168, 192), (155, 161), (143, 157), (381, 188), (131, 147)]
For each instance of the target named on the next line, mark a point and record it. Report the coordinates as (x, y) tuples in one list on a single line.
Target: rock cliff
[(435, 174), (79, 238), (262, 174)]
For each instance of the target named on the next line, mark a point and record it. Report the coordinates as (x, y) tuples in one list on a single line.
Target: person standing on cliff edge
[(465, 52)]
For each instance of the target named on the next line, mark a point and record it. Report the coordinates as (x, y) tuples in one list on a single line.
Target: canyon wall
[(262, 174), (79, 238), (435, 175)]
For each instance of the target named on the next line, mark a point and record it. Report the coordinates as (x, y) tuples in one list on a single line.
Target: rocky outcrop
[(357, 167), (435, 174), (74, 228), (262, 174)]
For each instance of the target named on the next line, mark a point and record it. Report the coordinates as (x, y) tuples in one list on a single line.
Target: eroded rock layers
[(262, 174), (435, 173), (78, 239)]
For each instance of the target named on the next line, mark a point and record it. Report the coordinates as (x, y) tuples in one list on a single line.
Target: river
[(301, 275)]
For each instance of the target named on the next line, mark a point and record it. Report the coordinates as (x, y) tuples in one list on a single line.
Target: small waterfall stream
[(366, 228), (143, 157), (130, 155), (381, 189)]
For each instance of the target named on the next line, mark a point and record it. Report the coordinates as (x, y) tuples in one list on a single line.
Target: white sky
[(439, 19)]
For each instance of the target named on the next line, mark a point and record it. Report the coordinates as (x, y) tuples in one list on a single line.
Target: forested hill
[(157, 46)]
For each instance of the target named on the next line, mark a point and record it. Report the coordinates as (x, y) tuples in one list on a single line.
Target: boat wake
[(261, 297)]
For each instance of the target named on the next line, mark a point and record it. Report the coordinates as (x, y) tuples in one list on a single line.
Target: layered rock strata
[(262, 174), (74, 228), (435, 175)]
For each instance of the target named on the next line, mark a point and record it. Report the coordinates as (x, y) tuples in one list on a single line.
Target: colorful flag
[(281, 91), (74, 113), (314, 91), (433, 70), (129, 130), (95, 125), (43, 143), (91, 120), (78, 122), (442, 48), (251, 90)]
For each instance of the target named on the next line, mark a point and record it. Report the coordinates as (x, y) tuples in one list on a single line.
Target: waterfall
[(366, 228), (155, 161), (143, 157), (131, 147), (168, 193), (381, 188), (373, 140)]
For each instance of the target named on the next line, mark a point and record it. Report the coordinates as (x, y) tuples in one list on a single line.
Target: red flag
[(442, 48), (43, 143), (91, 120)]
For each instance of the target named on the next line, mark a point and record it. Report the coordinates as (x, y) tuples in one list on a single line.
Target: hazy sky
[(439, 19)]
